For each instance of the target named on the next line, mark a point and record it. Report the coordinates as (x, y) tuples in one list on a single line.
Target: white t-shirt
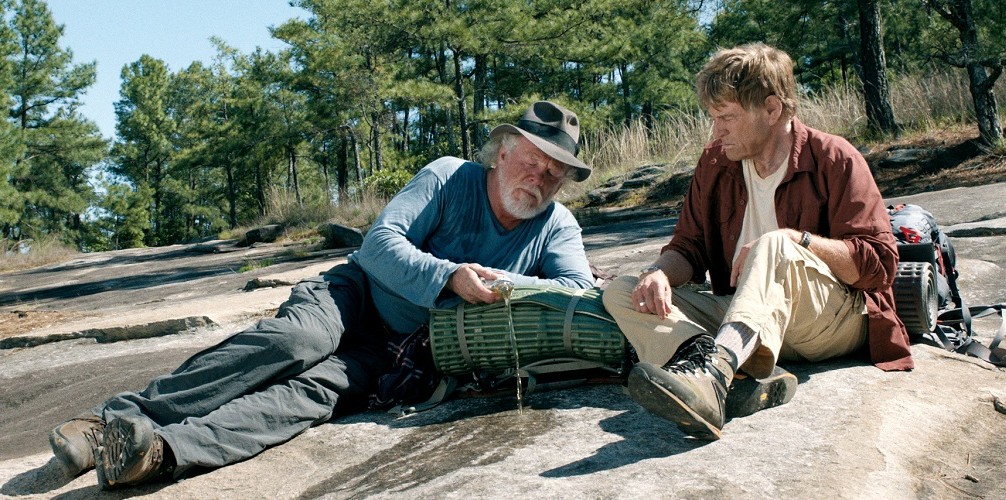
[(759, 215)]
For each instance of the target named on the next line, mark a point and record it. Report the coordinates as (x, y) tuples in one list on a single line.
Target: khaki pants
[(786, 294)]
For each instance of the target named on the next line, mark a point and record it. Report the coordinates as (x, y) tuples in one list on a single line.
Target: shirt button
[(733, 237)]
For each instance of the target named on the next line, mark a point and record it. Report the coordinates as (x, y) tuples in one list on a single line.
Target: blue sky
[(117, 32)]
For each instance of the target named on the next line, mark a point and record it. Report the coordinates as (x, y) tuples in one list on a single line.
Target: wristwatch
[(805, 239), (649, 269)]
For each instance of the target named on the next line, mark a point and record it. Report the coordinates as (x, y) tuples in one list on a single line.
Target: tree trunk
[(342, 167), (986, 109), (626, 105), (326, 167), (961, 15), (879, 114), (405, 129), (459, 93), (291, 155), (158, 196), (375, 138), (232, 195), (356, 155), (478, 102), (452, 145)]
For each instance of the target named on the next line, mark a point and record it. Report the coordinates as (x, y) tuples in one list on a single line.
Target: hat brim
[(580, 169)]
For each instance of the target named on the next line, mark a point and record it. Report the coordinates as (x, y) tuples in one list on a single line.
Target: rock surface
[(852, 431)]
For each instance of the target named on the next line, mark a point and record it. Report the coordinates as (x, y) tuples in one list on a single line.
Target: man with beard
[(454, 225)]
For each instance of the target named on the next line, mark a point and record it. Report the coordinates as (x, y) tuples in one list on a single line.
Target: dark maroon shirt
[(828, 190)]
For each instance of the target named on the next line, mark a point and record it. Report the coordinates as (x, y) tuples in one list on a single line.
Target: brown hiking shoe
[(73, 443), (748, 395), (690, 389), (132, 454)]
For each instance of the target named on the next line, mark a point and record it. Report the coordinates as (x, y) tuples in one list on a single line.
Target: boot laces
[(695, 357)]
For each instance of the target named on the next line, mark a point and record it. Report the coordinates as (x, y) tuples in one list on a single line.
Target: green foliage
[(368, 92), (47, 150), (387, 183), (126, 216), (252, 265)]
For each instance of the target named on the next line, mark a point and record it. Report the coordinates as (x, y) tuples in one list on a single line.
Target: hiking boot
[(73, 443), (132, 454), (749, 395), (690, 389)]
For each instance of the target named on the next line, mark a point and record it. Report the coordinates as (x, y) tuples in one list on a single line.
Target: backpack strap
[(444, 389), (567, 324), (972, 347)]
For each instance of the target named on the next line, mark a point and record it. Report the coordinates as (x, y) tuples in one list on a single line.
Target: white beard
[(522, 207)]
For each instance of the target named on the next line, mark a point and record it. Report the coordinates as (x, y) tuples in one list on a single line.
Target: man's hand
[(738, 266), (467, 283), (653, 294)]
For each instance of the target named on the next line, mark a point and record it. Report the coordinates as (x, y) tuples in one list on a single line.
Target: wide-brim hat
[(555, 130)]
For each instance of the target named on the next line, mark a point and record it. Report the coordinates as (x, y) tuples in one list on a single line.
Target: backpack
[(927, 298), (920, 239)]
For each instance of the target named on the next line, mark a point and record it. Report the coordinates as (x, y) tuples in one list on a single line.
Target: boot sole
[(748, 396), (126, 441), (664, 404)]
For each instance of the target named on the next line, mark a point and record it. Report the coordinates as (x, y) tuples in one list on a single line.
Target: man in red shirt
[(792, 230)]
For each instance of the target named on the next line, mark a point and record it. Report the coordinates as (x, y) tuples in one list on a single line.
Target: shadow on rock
[(644, 436), (50, 477), (435, 450), (460, 434), (647, 436), (44, 479)]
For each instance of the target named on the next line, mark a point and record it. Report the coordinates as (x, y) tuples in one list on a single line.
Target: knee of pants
[(773, 242), (285, 338)]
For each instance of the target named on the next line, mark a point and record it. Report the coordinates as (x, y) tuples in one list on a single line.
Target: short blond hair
[(747, 75)]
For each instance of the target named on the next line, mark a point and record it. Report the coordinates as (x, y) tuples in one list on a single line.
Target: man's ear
[(773, 106)]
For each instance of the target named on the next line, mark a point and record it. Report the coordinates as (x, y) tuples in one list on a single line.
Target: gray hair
[(490, 150)]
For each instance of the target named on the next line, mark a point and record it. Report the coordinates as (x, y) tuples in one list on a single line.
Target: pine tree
[(58, 147), (10, 145), (144, 128)]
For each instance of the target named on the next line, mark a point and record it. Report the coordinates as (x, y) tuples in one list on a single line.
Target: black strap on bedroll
[(954, 333)]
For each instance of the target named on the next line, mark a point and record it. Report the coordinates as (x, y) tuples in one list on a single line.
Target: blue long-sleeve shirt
[(442, 219)]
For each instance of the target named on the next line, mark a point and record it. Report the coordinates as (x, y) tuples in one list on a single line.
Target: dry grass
[(614, 151), (44, 251), (935, 112), (300, 221)]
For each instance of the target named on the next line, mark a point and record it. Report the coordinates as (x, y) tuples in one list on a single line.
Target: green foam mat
[(549, 322)]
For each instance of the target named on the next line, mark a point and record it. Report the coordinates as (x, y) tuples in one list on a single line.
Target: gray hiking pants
[(321, 355)]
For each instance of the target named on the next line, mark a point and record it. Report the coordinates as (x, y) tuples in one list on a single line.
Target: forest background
[(365, 93)]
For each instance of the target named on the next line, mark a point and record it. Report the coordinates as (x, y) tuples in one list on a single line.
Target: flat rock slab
[(852, 431)]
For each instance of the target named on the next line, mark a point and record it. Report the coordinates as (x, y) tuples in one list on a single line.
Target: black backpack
[(921, 240), (927, 298)]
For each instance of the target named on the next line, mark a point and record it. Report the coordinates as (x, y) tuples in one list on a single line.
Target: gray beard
[(519, 209)]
